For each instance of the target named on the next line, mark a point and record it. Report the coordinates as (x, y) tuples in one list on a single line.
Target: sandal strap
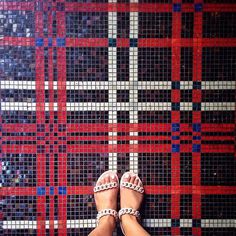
[(103, 187), (106, 212), (129, 211), (132, 186)]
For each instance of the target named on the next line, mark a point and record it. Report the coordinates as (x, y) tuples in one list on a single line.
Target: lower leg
[(132, 227), (105, 227)]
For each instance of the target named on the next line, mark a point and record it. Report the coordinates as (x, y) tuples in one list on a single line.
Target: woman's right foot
[(130, 198)]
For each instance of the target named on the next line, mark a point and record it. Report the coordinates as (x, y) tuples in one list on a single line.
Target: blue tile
[(112, 42), (62, 190), (177, 7), (175, 85), (197, 127), (198, 7), (175, 137), (39, 42), (41, 191), (197, 85), (197, 106), (175, 127), (196, 147), (175, 222), (175, 147), (175, 106), (196, 137), (133, 42), (196, 223), (51, 190), (50, 42), (61, 42)]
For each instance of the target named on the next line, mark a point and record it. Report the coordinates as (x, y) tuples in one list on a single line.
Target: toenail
[(126, 175)]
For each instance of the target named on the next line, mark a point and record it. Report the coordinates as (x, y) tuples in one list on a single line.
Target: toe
[(113, 177), (140, 183), (107, 179), (126, 177), (101, 181), (132, 179), (136, 181)]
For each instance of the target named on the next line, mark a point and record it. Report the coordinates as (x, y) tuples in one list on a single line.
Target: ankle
[(127, 220), (107, 221)]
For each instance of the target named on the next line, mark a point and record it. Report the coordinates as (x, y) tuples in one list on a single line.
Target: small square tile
[(196, 222), (197, 85), (51, 190), (198, 7), (175, 127), (175, 137), (175, 222), (197, 127), (133, 42), (50, 42), (177, 7), (197, 106), (112, 42), (41, 191), (175, 85), (61, 42), (39, 42), (196, 147), (175, 147), (175, 106), (62, 190), (60, 6)]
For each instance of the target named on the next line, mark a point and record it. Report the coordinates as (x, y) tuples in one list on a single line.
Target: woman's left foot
[(105, 194)]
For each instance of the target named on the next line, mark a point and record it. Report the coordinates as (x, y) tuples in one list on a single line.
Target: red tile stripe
[(119, 7), (149, 189), (124, 42), (196, 156), (144, 127), (62, 157), (41, 157), (123, 148), (51, 121), (175, 118)]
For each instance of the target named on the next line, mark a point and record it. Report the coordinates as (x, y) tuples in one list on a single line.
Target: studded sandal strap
[(103, 187), (132, 186), (106, 212), (129, 211)]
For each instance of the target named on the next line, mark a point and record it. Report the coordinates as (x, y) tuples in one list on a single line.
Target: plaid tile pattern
[(141, 85)]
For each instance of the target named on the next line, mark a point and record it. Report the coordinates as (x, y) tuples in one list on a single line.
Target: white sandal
[(134, 187), (103, 187)]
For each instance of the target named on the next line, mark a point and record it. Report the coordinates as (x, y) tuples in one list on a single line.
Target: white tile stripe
[(111, 86), (126, 106), (133, 88), (104, 85), (91, 223)]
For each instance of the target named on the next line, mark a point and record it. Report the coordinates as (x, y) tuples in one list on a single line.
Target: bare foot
[(107, 199), (130, 198)]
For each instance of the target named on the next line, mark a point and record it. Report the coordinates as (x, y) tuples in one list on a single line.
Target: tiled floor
[(91, 85)]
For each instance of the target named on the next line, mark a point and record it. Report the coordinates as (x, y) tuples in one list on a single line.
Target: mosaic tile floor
[(142, 85)]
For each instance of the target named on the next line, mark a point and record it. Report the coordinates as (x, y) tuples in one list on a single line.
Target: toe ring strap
[(132, 186), (129, 211), (105, 186), (106, 212)]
